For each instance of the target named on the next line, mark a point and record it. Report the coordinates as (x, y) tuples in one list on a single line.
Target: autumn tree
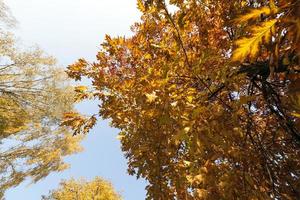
[(6, 18), (34, 95), (97, 189), (206, 97)]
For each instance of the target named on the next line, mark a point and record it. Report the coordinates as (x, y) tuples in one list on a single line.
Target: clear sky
[(68, 30)]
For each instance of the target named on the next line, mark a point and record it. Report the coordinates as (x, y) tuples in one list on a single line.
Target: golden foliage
[(97, 189), (80, 124), (193, 123), (140, 5), (255, 14), (250, 47), (34, 95)]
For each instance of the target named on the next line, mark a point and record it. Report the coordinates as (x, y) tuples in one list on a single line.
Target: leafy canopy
[(97, 189), (206, 98), (34, 95)]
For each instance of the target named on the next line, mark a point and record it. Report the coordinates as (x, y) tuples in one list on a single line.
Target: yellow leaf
[(190, 179), (120, 137), (187, 163), (296, 115), (151, 97), (141, 6), (254, 14), (147, 56), (199, 178), (243, 3), (190, 99), (80, 89), (250, 46), (187, 129)]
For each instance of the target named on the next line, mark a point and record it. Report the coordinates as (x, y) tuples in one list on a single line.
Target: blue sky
[(68, 30)]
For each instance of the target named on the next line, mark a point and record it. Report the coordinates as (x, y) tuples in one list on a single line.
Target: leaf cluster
[(206, 98)]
